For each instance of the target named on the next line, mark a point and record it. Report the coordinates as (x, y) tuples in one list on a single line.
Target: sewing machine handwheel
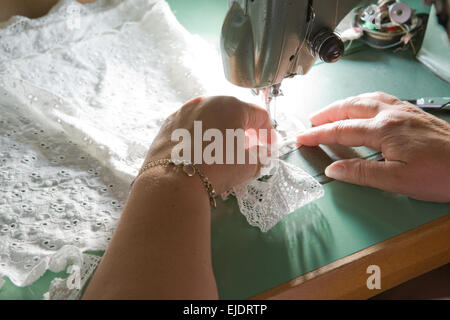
[(328, 46)]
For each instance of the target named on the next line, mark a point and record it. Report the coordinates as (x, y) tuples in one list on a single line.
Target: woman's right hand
[(219, 113)]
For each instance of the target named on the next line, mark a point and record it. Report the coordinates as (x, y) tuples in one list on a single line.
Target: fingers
[(352, 133), (380, 96), (351, 108), (257, 157), (240, 114), (385, 175), (195, 101), (258, 119), (363, 106)]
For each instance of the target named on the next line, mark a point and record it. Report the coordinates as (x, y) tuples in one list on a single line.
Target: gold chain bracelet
[(190, 170)]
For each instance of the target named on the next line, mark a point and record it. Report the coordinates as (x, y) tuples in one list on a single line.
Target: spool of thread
[(399, 12)]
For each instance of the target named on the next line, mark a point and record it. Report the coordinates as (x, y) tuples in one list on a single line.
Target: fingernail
[(335, 171), (312, 116)]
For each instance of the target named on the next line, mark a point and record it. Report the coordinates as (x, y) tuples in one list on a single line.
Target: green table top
[(347, 219)]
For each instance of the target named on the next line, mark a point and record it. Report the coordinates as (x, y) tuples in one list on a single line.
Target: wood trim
[(400, 259)]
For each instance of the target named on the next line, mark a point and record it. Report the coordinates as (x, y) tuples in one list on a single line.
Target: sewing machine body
[(265, 41)]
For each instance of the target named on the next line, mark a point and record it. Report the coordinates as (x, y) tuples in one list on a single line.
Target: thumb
[(258, 157), (385, 175)]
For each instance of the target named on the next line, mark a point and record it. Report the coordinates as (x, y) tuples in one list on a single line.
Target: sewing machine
[(265, 41)]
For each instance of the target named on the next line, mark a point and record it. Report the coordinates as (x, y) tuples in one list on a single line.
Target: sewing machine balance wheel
[(328, 46)]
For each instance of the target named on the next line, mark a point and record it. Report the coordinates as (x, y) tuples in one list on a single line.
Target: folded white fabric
[(79, 108), (80, 102)]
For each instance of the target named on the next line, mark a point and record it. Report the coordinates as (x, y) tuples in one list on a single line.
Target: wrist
[(170, 180)]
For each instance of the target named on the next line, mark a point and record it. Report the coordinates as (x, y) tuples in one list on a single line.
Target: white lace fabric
[(78, 109), (81, 268), (282, 189)]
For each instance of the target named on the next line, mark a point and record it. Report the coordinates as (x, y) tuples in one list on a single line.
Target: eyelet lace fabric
[(83, 92), (52, 193)]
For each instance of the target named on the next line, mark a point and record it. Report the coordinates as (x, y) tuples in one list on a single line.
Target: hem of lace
[(72, 287), (79, 266)]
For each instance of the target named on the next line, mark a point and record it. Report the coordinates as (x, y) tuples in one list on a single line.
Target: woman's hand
[(415, 145), (214, 113), (161, 248)]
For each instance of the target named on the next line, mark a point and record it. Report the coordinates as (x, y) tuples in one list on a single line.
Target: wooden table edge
[(400, 259)]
